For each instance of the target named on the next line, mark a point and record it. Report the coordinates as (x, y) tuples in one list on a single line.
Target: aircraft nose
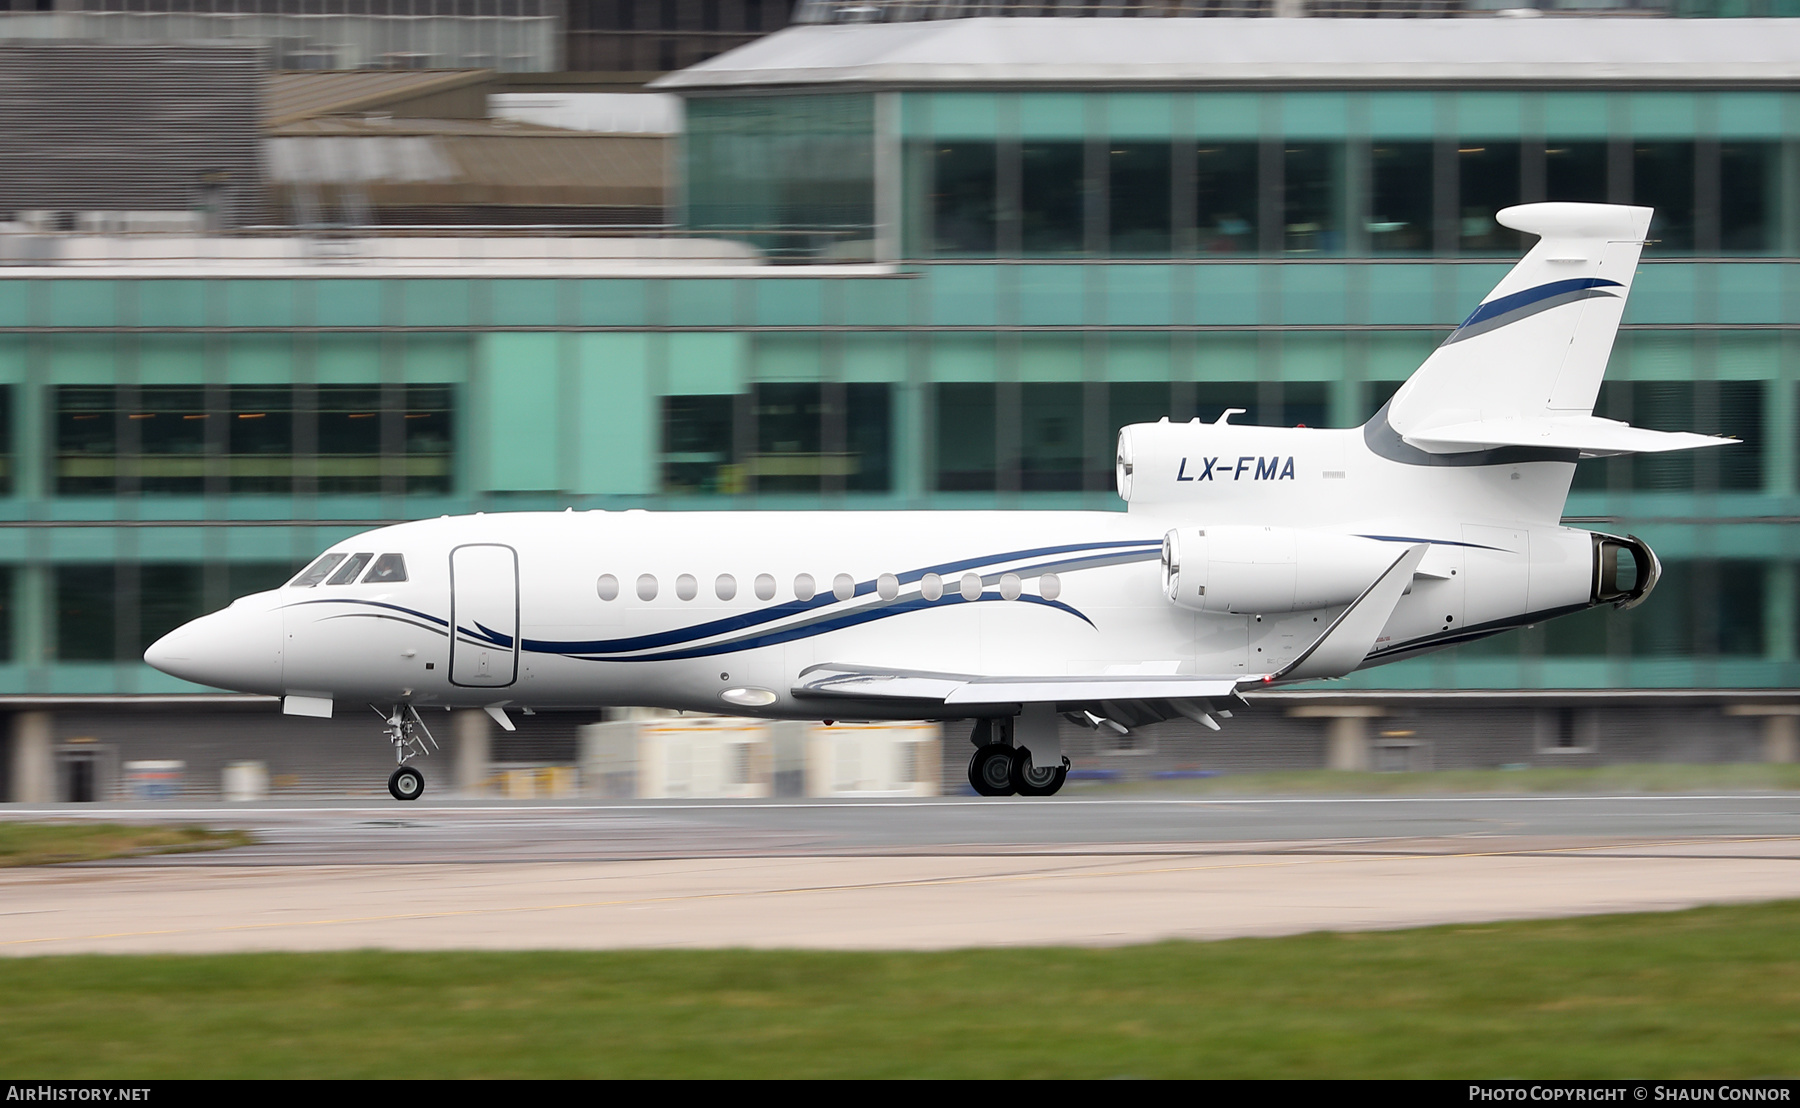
[(233, 649)]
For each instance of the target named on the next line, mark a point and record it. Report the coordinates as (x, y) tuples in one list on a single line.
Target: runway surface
[(916, 874)]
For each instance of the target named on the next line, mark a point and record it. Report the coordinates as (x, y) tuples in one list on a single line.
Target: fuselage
[(727, 611)]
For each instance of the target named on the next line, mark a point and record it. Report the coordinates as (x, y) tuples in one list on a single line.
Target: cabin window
[(887, 586), (1049, 586), (354, 566), (389, 569), (725, 587), (765, 587), (607, 587), (971, 586), (1010, 588), (317, 572), (843, 586), (805, 587), (646, 587), (686, 587), (931, 587)]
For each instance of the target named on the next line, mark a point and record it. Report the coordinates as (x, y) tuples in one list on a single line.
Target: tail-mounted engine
[(1256, 570), (1617, 583)]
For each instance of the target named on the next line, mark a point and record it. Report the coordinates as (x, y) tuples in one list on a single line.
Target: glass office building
[(947, 279)]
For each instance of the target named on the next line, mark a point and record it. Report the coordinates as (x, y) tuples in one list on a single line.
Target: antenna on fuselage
[(1225, 416)]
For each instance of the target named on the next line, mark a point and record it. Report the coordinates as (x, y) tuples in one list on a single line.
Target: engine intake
[(1255, 570), (1617, 584)]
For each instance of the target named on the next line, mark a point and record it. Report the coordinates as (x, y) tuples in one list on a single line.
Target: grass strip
[(1619, 779), (39, 844), (1712, 992)]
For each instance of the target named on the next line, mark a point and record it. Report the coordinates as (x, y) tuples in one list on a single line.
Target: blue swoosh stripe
[(799, 607), (371, 604), (1514, 301), (848, 619)]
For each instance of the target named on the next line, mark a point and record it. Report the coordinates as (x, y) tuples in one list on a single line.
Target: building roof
[(1283, 51), (296, 96), (464, 162)]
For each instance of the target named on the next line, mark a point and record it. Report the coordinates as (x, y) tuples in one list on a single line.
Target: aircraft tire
[(1030, 780), (406, 783), (991, 770)]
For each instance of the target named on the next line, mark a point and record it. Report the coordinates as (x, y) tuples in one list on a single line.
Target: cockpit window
[(389, 568), (347, 575), (316, 572)]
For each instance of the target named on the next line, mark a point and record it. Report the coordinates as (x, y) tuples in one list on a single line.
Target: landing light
[(748, 698)]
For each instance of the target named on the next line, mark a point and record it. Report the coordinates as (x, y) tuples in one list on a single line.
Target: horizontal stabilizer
[(967, 690), (1590, 435)]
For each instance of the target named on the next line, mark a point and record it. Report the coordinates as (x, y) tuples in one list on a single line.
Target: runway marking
[(1064, 873)]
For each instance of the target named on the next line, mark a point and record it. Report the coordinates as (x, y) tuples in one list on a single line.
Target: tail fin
[(1524, 369)]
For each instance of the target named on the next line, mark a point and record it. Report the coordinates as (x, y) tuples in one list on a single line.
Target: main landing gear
[(409, 736), (999, 768)]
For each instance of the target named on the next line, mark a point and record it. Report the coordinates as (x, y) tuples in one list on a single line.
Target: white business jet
[(1248, 556)]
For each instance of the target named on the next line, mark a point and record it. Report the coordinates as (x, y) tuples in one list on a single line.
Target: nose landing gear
[(406, 783), (409, 736)]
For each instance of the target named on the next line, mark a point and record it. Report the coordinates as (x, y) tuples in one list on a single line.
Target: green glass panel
[(1311, 358), (1051, 357), (706, 364), (614, 303), (1400, 293), (1393, 355), (171, 303), (877, 301), (83, 359), (1138, 358), (787, 357), (1576, 115), (519, 303), (702, 303), (1403, 115), (1473, 283), (12, 357), (968, 357), (971, 115), (171, 359), (259, 359), (1747, 355), (1053, 115), (1312, 293), (518, 412), (1223, 356), (1228, 115), (614, 382), (1654, 356), (1051, 295), (874, 358), (963, 295), (1749, 114), (15, 303), (1661, 114), (1140, 295), (915, 115), (789, 302), (1226, 293), (1314, 115), (254, 303), (437, 359), (82, 303), (1662, 294), (793, 175), (437, 303), (1748, 293), (1140, 115), (1485, 115), (346, 302), (347, 359)]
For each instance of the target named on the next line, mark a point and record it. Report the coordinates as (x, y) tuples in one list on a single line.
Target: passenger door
[(484, 615)]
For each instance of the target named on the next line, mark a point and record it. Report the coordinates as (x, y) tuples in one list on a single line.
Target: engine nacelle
[(1256, 570)]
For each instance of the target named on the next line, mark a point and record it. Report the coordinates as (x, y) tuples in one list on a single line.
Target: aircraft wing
[(1591, 435), (1119, 701)]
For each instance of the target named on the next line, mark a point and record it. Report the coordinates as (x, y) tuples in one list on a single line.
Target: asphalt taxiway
[(917, 874)]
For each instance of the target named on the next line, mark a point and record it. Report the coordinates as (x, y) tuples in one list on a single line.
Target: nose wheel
[(407, 783)]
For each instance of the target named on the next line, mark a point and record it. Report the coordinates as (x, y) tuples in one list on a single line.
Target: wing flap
[(965, 690)]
